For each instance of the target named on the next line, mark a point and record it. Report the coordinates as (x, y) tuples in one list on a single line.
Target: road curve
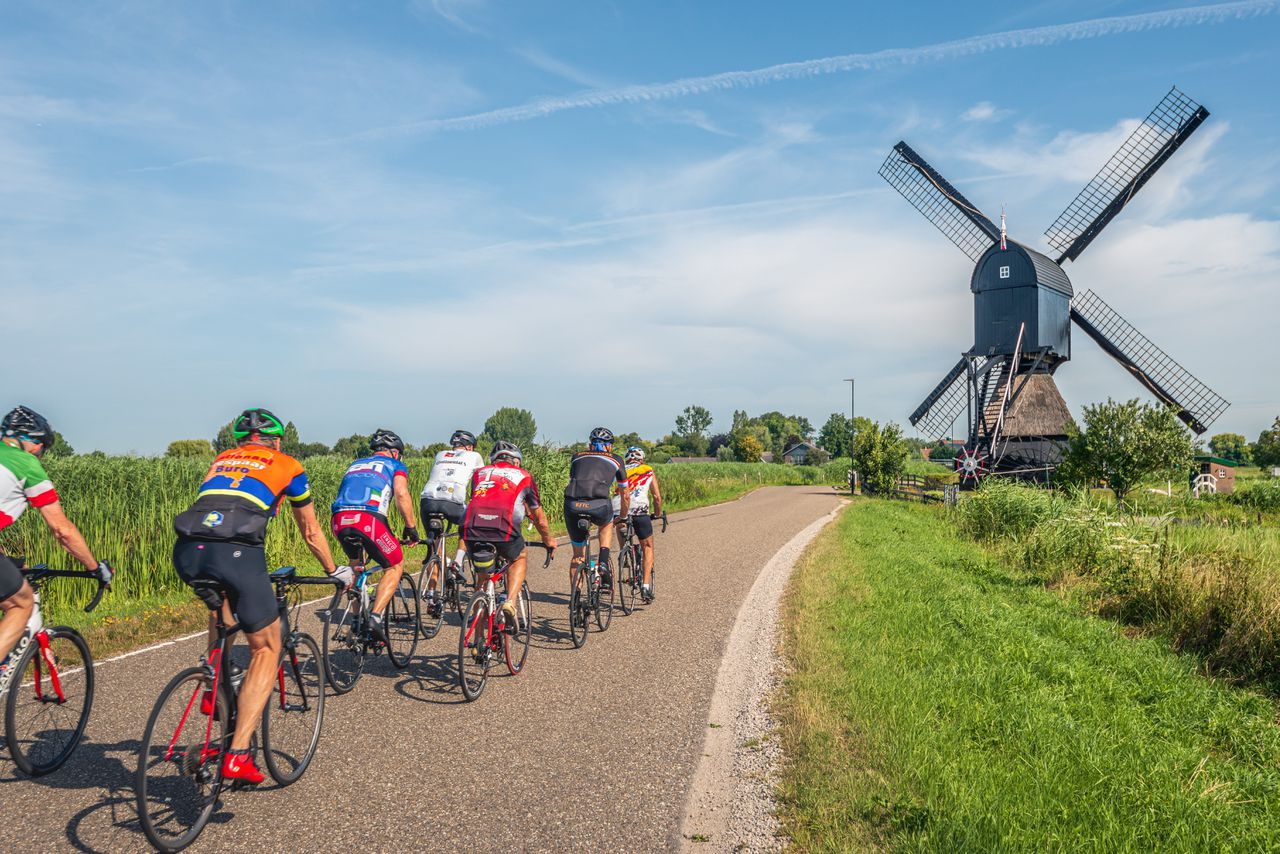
[(586, 750)]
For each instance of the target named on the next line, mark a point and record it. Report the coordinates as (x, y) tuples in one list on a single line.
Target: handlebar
[(548, 549), (41, 571)]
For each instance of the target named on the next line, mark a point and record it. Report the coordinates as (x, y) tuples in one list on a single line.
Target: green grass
[(939, 702)]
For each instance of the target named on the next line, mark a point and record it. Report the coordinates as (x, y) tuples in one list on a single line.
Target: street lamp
[(853, 428)]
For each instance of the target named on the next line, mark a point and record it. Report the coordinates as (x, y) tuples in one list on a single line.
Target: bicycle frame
[(36, 576)]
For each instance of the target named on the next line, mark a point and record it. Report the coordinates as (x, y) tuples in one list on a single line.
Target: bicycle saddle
[(210, 592)]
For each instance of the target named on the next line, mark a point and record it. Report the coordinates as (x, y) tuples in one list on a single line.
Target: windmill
[(1024, 305)]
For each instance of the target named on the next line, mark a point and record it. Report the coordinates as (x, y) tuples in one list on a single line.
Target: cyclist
[(220, 538), (446, 493), (502, 494), (593, 475), (360, 516), (25, 437), (641, 481)]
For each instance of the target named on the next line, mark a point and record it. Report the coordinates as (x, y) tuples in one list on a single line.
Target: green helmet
[(257, 420)]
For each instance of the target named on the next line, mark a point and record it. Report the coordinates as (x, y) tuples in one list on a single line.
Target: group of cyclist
[(221, 536)]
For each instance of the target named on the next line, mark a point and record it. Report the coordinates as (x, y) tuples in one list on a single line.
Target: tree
[(694, 421), (225, 439), (716, 442), (312, 449), (1266, 451), (748, 448), (189, 448), (941, 452), (724, 454), (353, 447), (1230, 446), (61, 447), (879, 455), (1123, 444), (818, 457), (290, 443), (510, 424), (836, 436)]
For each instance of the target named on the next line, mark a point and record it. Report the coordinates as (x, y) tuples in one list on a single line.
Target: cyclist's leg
[(578, 538), (643, 528), (517, 564), (647, 546), (17, 603)]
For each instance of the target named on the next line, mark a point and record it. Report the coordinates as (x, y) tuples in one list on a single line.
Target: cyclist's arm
[(68, 535), (624, 493), (544, 528), (401, 488), (305, 516), (657, 496)]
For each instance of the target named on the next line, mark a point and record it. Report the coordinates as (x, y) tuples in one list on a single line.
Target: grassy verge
[(939, 702)]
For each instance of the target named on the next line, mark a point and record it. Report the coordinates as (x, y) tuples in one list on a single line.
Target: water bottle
[(36, 623)]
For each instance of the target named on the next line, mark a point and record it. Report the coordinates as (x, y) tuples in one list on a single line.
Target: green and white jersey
[(22, 482)]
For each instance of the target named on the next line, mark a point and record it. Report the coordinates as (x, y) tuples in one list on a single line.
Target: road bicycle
[(590, 596), (47, 688), (485, 634), (348, 637), (631, 565), (440, 583), (179, 775)]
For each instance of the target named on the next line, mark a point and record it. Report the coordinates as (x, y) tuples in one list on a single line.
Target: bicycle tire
[(428, 625), (628, 583), (602, 602), (474, 653), (515, 643), (467, 582), (42, 733), (400, 622), (292, 720), (343, 646), (198, 776), (578, 609)]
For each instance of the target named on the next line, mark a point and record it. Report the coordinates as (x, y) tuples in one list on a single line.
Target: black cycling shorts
[(451, 510), (11, 579), (242, 570), (597, 511), (642, 525), (509, 551)]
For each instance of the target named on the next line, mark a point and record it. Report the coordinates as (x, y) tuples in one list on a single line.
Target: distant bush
[(1260, 495)]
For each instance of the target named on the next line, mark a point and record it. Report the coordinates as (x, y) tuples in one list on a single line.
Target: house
[(1213, 474), (798, 454)]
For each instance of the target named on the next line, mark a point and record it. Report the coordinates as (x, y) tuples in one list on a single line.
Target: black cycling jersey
[(592, 474)]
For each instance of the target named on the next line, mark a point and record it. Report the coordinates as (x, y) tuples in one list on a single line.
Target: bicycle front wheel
[(48, 702), (628, 580), (343, 646), (603, 602), (431, 590), (474, 652), (400, 622), (579, 608), (515, 640), (180, 762), (295, 711)]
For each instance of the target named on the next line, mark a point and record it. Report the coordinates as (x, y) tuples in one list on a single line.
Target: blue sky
[(410, 214)]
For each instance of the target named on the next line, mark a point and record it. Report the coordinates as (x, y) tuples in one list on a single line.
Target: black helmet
[(462, 437), (385, 440), (24, 423), (257, 420), (602, 434), (505, 449)]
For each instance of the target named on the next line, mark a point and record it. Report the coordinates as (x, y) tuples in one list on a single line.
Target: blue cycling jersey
[(368, 485)]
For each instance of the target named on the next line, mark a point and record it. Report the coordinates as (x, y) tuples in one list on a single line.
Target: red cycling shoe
[(240, 766)]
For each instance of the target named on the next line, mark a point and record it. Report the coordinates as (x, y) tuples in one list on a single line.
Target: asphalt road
[(586, 750)]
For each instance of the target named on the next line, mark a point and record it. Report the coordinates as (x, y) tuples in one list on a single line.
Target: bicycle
[(348, 633), (179, 774), (631, 565), (47, 689), (439, 582), (484, 627), (589, 596)]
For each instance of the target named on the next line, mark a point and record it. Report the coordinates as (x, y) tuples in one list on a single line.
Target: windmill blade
[(1197, 404), (1174, 119), (947, 402), (942, 204)]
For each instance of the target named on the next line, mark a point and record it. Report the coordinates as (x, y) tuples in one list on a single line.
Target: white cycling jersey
[(451, 475)]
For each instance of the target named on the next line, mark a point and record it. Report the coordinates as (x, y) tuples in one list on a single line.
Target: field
[(125, 508), (944, 699)]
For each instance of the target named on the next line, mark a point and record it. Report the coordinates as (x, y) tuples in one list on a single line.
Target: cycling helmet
[(603, 435), (462, 437), (385, 440), (505, 450), (24, 423), (257, 420), (634, 455)]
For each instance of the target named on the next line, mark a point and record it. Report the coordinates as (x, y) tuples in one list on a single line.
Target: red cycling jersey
[(501, 495)]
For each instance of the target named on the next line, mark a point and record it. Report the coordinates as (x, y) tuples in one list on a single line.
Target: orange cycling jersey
[(259, 475)]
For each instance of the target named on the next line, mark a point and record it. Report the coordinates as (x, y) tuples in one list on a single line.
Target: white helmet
[(634, 455)]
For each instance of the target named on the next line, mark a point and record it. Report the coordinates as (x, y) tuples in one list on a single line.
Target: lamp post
[(853, 428)]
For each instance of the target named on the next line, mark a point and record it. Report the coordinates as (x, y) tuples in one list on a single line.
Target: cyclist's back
[(593, 475), (446, 491)]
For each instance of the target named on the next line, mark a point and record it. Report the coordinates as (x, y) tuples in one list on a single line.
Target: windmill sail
[(1197, 404), (1174, 119), (942, 204), (947, 402)]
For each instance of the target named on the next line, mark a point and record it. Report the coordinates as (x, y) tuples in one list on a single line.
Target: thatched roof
[(1038, 410)]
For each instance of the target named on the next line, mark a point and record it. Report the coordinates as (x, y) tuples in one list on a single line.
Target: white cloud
[(984, 111)]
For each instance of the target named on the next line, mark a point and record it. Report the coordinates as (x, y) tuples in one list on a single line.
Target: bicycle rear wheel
[(603, 602), (343, 645), (295, 711), (579, 608), (400, 622), (515, 640), (48, 701), (180, 763), (474, 653), (431, 592), (628, 581)]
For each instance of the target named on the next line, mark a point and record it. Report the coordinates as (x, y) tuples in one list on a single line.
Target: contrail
[(1030, 37)]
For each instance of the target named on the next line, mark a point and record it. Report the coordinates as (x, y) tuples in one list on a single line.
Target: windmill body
[(1025, 305)]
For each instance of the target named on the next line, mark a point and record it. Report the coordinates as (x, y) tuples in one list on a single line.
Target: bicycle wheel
[(579, 608), (295, 712), (475, 655), (48, 701), (603, 602), (400, 622), (466, 582), (515, 640), (628, 582), (343, 645), (180, 763), (433, 592)]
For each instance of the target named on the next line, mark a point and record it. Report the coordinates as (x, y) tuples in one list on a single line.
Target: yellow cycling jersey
[(639, 481)]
